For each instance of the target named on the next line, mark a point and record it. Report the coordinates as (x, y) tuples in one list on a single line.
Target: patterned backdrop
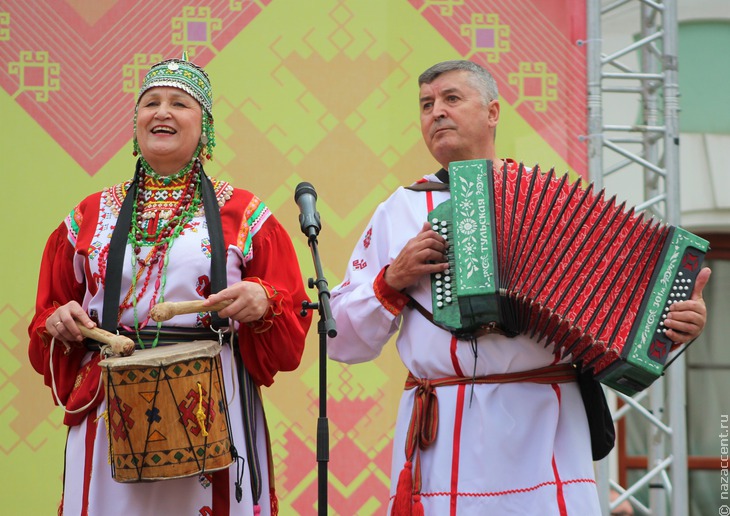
[(322, 91)]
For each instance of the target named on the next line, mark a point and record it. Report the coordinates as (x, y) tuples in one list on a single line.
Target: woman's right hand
[(62, 323)]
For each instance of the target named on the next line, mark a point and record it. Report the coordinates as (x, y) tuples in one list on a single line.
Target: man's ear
[(493, 108)]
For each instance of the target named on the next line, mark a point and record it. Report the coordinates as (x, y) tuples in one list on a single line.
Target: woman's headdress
[(192, 79)]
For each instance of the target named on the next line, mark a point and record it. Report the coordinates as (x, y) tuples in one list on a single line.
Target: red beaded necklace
[(161, 209)]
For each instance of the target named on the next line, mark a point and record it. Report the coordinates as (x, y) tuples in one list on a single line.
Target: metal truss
[(643, 72)]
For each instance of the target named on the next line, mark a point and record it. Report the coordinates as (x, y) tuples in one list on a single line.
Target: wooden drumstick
[(119, 344), (168, 310)]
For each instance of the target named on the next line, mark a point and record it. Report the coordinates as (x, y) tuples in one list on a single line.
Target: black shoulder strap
[(218, 280), (432, 185), (117, 248)]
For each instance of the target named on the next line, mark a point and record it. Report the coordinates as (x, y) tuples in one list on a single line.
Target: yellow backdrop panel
[(323, 91)]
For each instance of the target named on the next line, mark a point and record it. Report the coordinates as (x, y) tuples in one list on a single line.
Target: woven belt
[(423, 426)]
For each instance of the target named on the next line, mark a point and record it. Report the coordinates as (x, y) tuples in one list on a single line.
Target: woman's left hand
[(249, 301), (686, 319)]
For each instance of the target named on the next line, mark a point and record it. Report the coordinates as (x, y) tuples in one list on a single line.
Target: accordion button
[(440, 304), (438, 277), (447, 278), (444, 223), (447, 271), (439, 290), (439, 297), (448, 300)]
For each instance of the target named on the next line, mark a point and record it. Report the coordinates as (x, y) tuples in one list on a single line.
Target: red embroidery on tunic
[(202, 286), (359, 264), (368, 235)]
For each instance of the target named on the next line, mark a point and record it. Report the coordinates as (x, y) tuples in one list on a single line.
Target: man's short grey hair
[(480, 79)]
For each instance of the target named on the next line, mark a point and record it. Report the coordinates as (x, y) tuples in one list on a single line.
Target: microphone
[(306, 199)]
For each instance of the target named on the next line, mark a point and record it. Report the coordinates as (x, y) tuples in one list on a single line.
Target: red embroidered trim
[(275, 308), (393, 300), (491, 494)]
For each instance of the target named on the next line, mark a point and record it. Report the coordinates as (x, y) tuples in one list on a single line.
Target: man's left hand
[(686, 319)]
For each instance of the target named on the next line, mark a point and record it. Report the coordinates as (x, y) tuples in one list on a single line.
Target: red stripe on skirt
[(559, 483), (90, 437), (461, 389), (221, 493)]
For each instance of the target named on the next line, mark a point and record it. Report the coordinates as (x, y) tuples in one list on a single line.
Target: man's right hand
[(423, 254)]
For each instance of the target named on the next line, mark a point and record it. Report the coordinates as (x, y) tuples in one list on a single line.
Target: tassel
[(417, 506), (240, 462), (402, 500), (274, 503)]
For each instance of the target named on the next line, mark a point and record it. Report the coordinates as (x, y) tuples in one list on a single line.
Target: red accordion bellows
[(573, 266)]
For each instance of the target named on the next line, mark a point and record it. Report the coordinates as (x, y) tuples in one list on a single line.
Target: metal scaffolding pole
[(644, 70)]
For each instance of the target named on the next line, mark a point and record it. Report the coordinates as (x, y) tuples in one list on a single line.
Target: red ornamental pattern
[(101, 60), (368, 236), (536, 51)]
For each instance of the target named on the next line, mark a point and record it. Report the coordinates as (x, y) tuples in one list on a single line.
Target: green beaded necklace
[(161, 239)]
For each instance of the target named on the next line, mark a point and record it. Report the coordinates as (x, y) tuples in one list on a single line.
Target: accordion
[(532, 254)]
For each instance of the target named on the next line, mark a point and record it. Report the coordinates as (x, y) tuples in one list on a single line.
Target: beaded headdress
[(192, 79)]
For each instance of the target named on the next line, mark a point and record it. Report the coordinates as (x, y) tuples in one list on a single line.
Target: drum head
[(164, 355)]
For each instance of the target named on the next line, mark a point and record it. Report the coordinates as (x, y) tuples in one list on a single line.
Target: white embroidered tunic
[(502, 449)]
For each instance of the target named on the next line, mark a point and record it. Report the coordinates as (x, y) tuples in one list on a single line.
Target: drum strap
[(250, 398), (117, 246), (218, 280)]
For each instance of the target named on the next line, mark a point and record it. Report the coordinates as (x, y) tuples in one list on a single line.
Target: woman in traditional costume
[(169, 234)]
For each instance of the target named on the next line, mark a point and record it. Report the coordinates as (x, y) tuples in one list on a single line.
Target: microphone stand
[(326, 327)]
